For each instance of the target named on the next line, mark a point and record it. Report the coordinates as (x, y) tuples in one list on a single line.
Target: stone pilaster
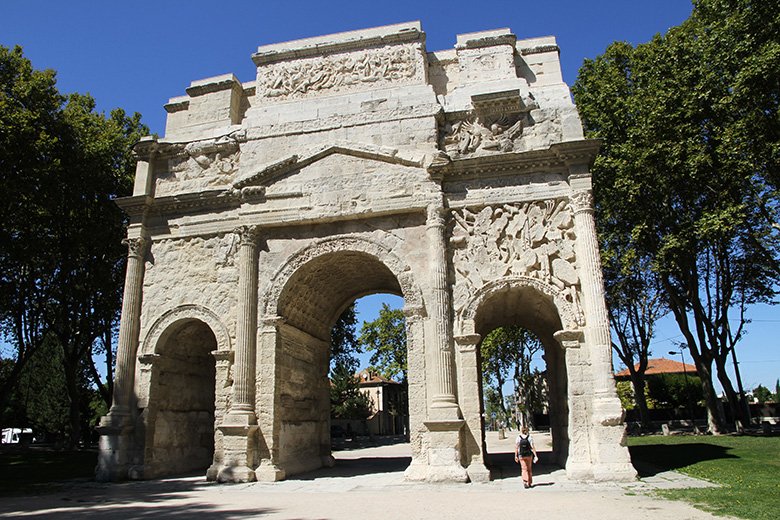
[(592, 283), (609, 456), (469, 377), (578, 461), (116, 427), (239, 428)]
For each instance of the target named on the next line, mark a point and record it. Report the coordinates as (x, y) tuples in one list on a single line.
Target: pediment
[(292, 164)]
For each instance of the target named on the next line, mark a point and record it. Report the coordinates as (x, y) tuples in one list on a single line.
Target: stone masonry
[(353, 164)]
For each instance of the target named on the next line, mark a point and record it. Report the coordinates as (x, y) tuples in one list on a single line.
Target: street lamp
[(683, 346)]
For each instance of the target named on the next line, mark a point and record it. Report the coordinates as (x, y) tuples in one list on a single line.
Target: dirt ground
[(368, 482)]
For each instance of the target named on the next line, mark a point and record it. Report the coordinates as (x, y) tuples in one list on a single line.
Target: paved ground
[(368, 483)]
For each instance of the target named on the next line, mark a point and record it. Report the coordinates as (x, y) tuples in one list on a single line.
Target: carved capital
[(569, 338), (582, 201), (136, 247), (435, 216), (248, 235)]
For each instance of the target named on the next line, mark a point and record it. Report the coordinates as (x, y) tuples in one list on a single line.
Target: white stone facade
[(354, 164)]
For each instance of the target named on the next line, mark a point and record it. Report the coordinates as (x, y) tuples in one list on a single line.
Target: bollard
[(665, 429)]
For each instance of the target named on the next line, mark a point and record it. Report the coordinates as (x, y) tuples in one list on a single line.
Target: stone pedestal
[(115, 446), (239, 444), (444, 448)]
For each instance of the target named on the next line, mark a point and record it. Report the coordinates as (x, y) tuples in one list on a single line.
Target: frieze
[(338, 72), (531, 239)]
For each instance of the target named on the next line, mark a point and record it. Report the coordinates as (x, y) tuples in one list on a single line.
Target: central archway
[(541, 309), (314, 286)]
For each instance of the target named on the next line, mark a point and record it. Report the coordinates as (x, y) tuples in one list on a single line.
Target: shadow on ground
[(346, 468), (160, 499), (503, 465), (651, 459)]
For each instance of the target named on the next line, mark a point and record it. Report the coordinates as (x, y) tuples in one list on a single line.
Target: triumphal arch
[(353, 164)]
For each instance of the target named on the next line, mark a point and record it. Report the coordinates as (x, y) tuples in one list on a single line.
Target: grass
[(37, 470), (746, 467)]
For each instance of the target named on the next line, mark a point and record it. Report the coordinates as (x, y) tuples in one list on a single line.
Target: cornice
[(559, 156)]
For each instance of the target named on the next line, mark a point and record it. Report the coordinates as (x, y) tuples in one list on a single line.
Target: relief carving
[(294, 80), (532, 239), (486, 132), (213, 160)]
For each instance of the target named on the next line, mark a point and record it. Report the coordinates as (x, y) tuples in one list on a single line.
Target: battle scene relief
[(531, 239)]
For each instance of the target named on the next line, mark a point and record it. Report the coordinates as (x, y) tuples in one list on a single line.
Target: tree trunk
[(74, 412), (640, 398), (735, 407), (715, 420)]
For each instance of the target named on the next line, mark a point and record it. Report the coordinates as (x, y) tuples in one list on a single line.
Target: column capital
[(581, 201), (569, 338), (435, 216), (136, 246), (248, 235)]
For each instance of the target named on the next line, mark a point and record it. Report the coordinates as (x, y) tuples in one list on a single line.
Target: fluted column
[(440, 316), (246, 331), (592, 283), (129, 325)]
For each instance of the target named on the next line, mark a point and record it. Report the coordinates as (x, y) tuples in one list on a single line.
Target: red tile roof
[(661, 366)]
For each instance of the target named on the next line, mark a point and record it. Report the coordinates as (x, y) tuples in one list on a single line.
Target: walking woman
[(525, 455)]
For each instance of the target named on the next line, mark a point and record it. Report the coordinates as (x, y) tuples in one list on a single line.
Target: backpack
[(525, 446)]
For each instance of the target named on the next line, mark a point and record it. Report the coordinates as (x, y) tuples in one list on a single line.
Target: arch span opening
[(530, 309), (180, 419), (310, 303)]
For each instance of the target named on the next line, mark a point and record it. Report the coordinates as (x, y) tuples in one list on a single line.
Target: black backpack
[(525, 447)]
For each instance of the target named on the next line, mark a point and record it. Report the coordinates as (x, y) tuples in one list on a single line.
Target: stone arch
[(163, 326), (300, 303), (568, 311), (379, 249), (178, 367), (544, 310)]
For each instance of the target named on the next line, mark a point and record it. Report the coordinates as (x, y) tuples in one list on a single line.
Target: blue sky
[(138, 55)]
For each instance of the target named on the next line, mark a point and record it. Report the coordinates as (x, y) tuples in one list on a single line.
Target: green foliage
[(674, 390), (385, 338), (777, 391), (625, 392), (686, 185), (745, 468), (507, 352), (346, 399), (61, 257), (343, 341), (762, 394)]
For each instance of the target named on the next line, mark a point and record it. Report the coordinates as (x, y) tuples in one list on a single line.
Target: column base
[(239, 444), (269, 472), (444, 447), (115, 445), (478, 472), (614, 473)]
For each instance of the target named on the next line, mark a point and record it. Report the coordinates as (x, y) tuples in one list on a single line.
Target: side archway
[(178, 367)]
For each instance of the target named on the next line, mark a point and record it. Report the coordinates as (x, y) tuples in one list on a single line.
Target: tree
[(385, 338), (343, 342), (762, 394), (346, 399), (508, 352), (29, 125), (695, 188), (62, 256)]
